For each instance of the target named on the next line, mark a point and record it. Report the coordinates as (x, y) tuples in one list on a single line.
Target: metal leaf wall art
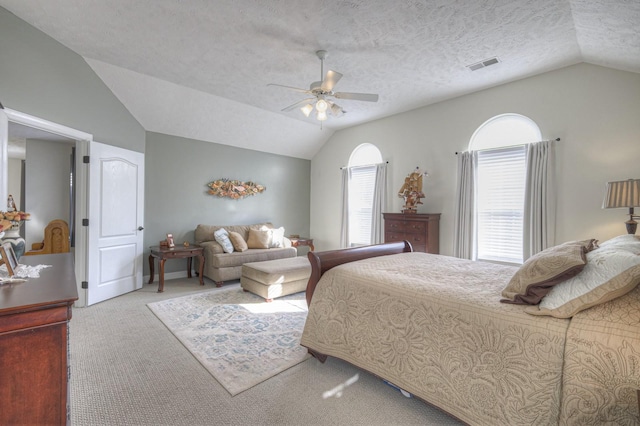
[(234, 189)]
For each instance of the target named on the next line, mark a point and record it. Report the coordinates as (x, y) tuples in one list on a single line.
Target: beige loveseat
[(220, 266)]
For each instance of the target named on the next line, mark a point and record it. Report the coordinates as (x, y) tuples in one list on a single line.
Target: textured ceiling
[(200, 68)]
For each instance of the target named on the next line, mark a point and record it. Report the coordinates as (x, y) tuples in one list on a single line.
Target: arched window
[(501, 174), (362, 179)]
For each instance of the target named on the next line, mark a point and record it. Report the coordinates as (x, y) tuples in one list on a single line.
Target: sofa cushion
[(222, 237), (205, 232), (239, 244), (258, 239), (227, 260), (276, 237)]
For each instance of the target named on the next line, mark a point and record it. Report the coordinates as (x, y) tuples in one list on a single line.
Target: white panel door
[(116, 200)]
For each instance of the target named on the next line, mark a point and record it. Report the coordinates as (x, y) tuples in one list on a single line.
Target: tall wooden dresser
[(420, 229), (34, 317)]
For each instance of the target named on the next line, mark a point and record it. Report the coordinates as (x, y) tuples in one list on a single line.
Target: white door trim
[(82, 179)]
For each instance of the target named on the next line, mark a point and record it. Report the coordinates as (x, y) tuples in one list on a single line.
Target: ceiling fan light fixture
[(322, 106), (306, 110), (321, 94), (336, 110)]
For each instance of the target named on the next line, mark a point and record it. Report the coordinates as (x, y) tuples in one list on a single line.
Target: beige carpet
[(128, 369), (237, 336)]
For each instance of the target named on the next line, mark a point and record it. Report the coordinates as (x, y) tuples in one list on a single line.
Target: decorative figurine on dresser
[(422, 230), (411, 191)]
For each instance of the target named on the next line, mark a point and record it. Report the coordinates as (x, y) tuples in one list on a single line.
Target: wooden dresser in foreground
[(34, 338), (421, 230)]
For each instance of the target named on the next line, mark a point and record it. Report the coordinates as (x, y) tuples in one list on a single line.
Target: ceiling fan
[(322, 94)]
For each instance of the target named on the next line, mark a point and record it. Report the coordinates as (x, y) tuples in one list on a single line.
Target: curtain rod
[(364, 165), (556, 139)]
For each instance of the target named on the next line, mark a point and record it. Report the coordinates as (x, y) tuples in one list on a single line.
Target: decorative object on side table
[(234, 189), (411, 191), (624, 193)]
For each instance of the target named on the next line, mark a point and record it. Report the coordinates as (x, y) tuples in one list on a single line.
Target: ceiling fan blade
[(290, 87), (298, 104), (369, 97), (330, 80)]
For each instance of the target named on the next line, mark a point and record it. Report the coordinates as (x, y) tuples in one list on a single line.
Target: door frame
[(83, 140)]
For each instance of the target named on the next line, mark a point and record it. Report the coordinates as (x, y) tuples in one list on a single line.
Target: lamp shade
[(623, 193), (306, 110)]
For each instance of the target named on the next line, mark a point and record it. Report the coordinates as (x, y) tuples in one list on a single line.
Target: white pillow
[(629, 242), (611, 272), (222, 237), (276, 236)]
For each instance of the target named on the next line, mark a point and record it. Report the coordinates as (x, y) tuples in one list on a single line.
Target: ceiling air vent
[(482, 64)]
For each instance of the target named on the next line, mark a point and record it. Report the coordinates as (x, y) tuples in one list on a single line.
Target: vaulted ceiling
[(200, 69)]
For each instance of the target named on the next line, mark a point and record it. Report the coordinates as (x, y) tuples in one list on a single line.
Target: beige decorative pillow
[(239, 244), (542, 271), (258, 239), (610, 273)]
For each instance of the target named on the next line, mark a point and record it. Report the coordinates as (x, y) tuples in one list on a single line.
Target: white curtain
[(540, 198), (344, 229), (379, 204), (464, 227)]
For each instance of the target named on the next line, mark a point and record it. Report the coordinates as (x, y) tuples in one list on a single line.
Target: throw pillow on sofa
[(258, 239), (239, 244), (222, 237), (276, 236)]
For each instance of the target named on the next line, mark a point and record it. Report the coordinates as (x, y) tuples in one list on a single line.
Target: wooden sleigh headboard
[(325, 260)]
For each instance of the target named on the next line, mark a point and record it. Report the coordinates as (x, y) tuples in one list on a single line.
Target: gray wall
[(595, 110), (47, 169), (43, 78), (177, 171)]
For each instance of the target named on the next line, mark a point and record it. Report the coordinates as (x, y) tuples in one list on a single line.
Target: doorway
[(80, 141), (41, 184)]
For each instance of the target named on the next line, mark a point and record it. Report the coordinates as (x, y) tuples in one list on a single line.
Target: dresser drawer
[(416, 238), (415, 227), (394, 236), (395, 226)]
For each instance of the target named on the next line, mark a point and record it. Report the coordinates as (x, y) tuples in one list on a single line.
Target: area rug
[(238, 337)]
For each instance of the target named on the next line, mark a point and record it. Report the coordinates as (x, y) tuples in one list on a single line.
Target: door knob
[(140, 228)]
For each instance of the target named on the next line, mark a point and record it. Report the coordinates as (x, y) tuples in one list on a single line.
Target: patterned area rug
[(236, 335)]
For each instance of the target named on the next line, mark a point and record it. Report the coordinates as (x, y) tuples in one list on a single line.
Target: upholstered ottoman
[(276, 278)]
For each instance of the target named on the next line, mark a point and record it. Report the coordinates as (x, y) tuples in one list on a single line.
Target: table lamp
[(624, 193)]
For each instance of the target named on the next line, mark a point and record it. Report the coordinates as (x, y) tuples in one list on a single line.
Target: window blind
[(500, 203), (361, 187)]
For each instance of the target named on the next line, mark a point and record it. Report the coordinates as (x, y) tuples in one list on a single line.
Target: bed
[(434, 326)]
